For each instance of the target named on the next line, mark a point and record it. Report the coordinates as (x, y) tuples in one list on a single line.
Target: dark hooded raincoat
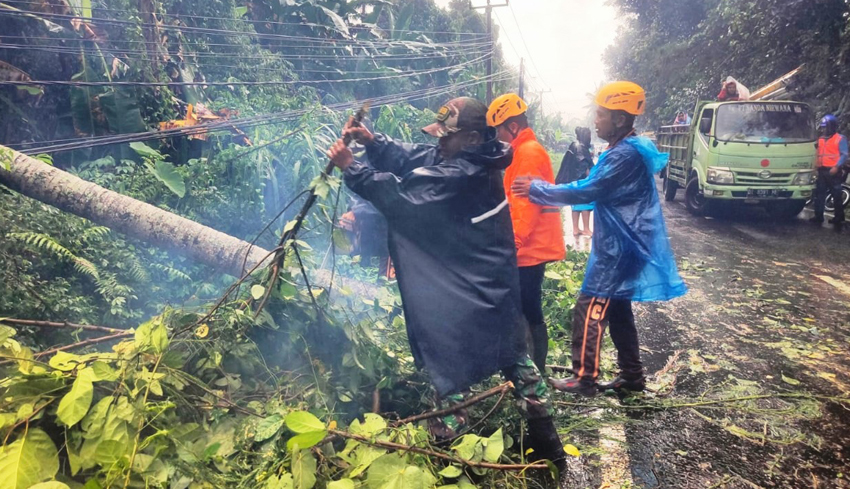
[(451, 241)]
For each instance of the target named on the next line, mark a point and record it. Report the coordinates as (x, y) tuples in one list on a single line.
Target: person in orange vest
[(538, 231), (832, 155)]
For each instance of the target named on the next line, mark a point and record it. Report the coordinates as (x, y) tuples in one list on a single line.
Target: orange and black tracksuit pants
[(590, 318)]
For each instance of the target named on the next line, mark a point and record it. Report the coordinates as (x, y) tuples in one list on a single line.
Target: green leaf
[(146, 151), (553, 275), (76, 403), (122, 111), (257, 292), (30, 459), (392, 472), (64, 361), (50, 485), (303, 469), (306, 440), (31, 89), (365, 456), (341, 484), (469, 447), (789, 380), (572, 450), (303, 422), (282, 482), (267, 427), (6, 332), (320, 187), (495, 445), (451, 472), (166, 173), (241, 11), (372, 425), (103, 372)]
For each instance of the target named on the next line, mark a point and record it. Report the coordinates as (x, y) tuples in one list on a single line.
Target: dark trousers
[(531, 295), (828, 184), (590, 317)]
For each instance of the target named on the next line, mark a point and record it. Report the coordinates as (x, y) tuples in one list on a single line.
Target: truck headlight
[(720, 176), (804, 178)]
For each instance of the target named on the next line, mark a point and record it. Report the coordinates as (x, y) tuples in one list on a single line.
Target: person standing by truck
[(630, 259), (832, 155), (538, 231)]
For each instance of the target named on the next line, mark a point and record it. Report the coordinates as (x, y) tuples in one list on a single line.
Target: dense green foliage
[(681, 51), (225, 399)]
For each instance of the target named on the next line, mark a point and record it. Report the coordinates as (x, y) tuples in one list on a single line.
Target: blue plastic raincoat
[(631, 256)]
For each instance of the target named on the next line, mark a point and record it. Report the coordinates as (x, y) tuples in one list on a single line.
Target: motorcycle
[(829, 205)]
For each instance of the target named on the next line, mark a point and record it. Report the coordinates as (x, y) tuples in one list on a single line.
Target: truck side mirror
[(705, 125)]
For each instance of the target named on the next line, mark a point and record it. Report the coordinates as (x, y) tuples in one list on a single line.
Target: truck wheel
[(695, 201), (786, 210), (669, 187)]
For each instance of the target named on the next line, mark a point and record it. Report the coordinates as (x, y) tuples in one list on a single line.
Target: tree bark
[(126, 215)]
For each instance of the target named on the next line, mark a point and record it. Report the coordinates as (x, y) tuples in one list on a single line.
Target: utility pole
[(488, 10), (521, 78)]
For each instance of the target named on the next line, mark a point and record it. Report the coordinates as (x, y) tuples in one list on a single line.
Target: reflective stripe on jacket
[(538, 230), (829, 151)]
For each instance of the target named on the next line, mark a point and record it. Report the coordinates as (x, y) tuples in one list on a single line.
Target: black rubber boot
[(574, 386), (620, 383), (547, 445)]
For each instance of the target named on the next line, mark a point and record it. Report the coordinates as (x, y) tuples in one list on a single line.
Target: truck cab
[(747, 152)]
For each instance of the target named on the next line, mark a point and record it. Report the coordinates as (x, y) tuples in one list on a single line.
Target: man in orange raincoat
[(538, 231)]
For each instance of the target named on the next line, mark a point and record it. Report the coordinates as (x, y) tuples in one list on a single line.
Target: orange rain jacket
[(538, 230)]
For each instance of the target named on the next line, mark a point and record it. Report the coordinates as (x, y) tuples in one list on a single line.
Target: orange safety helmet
[(622, 95), (504, 107)]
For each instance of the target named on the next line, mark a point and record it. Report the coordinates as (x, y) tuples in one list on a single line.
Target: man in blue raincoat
[(630, 259)]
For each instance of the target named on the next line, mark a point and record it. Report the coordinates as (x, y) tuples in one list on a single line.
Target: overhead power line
[(256, 120), (74, 83), (207, 30), (252, 21), (528, 51)]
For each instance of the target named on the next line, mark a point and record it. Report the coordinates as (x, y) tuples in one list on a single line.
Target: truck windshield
[(764, 123)]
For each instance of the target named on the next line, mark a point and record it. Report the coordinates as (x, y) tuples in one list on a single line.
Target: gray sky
[(566, 40)]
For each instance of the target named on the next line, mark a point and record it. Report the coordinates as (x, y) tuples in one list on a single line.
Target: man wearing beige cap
[(451, 240)]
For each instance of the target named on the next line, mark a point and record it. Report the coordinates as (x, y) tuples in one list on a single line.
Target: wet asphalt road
[(741, 367)]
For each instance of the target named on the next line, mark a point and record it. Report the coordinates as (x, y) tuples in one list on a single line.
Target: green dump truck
[(753, 152)]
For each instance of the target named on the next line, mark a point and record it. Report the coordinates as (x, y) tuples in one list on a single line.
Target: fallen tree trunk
[(142, 221), (126, 215)]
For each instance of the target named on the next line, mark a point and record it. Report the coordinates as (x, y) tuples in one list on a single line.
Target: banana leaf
[(121, 108)]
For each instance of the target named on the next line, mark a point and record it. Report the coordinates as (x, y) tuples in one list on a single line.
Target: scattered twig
[(500, 389), (484, 418), (64, 324), (660, 407), (319, 314), (440, 455), (83, 343), (561, 368)]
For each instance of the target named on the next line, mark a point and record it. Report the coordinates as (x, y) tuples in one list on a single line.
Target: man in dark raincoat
[(451, 240), (631, 259)]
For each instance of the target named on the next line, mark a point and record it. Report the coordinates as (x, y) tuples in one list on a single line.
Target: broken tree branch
[(500, 389), (64, 324), (431, 453), (80, 344)]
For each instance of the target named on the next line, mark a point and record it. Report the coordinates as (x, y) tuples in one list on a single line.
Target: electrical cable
[(258, 120), (201, 30), (530, 57), (252, 21), (73, 83), (279, 56)]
